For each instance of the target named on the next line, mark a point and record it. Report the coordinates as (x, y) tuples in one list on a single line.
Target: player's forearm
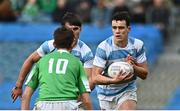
[(25, 103), (26, 97), (91, 83), (23, 72), (140, 72), (89, 75), (87, 101), (88, 72), (102, 80)]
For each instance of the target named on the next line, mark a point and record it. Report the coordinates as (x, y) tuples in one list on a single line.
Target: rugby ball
[(116, 67)]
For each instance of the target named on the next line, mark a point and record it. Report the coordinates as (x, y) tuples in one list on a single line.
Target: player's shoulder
[(82, 44), (136, 42), (82, 47), (49, 41), (106, 42)]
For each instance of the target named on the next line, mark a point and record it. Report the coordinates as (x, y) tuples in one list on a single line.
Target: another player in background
[(119, 92), (60, 77), (80, 50)]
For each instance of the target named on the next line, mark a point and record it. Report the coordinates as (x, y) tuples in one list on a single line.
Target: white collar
[(63, 50)]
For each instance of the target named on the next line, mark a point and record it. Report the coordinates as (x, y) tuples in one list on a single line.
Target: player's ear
[(129, 28), (54, 44)]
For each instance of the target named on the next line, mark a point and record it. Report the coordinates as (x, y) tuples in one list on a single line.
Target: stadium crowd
[(96, 12)]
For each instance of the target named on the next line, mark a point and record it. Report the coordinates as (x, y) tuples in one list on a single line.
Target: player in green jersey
[(60, 77)]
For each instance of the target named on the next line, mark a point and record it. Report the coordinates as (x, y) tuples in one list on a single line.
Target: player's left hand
[(131, 60), (15, 93)]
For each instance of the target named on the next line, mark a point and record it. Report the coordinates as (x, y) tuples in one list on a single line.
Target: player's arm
[(31, 85), (86, 101), (84, 88), (89, 75), (26, 67), (139, 64), (88, 63), (98, 78), (25, 101), (141, 70)]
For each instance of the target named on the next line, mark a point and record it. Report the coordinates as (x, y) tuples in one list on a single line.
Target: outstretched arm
[(26, 67), (26, 98)]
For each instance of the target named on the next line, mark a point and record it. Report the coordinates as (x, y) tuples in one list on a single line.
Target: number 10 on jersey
[(61, 66)]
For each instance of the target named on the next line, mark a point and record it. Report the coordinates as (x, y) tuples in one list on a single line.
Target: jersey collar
[(62, 50)]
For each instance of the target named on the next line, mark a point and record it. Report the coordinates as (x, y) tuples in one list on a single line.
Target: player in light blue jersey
[(119, 92), (81, 50)]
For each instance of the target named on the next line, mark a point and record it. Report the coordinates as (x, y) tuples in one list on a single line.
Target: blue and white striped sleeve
[(100, 56), (87, 56), (46, 48), (141, 55)]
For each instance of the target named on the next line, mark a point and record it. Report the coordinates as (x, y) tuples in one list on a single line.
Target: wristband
[(17, 87)]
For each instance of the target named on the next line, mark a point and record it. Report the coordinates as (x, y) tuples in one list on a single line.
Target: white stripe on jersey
[(81, 50)]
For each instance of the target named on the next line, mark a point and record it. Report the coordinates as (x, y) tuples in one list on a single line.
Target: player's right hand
[(15, 93)]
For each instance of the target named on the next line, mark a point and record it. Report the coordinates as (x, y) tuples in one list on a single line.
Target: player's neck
[(63, 50), (121, 44)]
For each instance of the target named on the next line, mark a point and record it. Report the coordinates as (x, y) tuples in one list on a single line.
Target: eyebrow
[(118, 27)]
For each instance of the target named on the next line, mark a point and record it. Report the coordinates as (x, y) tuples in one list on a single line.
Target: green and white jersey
[(60, 76)]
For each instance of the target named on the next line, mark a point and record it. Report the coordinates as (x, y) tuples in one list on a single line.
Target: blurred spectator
[(17, 6), (159, 15), (100, 13), (30, 13), (6, 12), (83, 9), (138, 13), (61, 9), (120, 5), (47, 6)]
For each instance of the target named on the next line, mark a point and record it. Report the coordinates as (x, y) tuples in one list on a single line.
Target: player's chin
[(119, 38)]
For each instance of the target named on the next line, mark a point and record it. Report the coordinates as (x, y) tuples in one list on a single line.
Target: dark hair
[(124, 15), (63, 38), (72, 19)]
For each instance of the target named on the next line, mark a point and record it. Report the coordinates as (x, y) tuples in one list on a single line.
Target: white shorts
[(113, 102), (56, 105)]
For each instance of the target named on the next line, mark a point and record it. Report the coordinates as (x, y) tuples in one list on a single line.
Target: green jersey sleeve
[(83, 83), (32, 80)]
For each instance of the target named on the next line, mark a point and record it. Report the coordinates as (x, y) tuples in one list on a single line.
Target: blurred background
[(25, 24)]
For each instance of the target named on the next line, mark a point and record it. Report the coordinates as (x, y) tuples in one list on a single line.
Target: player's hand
[(120, 77), (15, 93), (131, 60), (123, 77), (128, 78)]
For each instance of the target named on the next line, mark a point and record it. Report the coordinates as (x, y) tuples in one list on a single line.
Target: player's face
[(120, 30), (75, 29)]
